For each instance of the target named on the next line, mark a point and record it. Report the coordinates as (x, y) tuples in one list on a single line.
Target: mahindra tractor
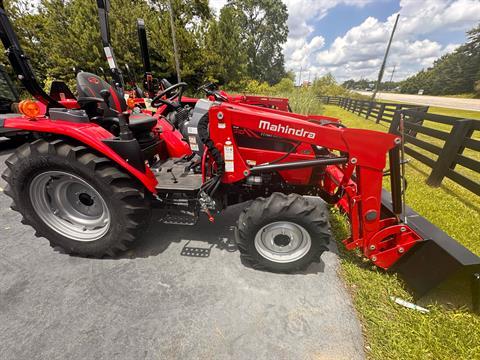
[(97, 173)]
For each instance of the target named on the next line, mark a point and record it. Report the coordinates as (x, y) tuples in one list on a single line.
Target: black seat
[(90, 86)]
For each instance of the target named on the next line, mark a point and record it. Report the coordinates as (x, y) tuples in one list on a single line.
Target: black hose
[(204, 135), (284, 156)]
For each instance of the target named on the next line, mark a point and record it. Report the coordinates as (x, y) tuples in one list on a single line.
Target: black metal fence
[(450, 146)]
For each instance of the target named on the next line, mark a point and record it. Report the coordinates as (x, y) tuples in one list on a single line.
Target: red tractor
[(97, 174)]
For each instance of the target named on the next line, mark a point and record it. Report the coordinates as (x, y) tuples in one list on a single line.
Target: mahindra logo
[(266, 125)]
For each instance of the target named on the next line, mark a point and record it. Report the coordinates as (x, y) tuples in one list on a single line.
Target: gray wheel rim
[(69, 206), (283, 242)]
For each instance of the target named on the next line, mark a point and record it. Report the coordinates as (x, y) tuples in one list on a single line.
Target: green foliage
[(453, 73), (225, 50), (285, 85), (263, 31), (328, 86), (244, 43), (364, 84)]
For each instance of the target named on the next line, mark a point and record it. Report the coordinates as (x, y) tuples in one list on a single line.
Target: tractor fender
[(89, 134)]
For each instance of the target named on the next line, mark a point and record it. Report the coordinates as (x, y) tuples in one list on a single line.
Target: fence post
[(362, 102), (450, 151), (418, 118), (395, 124), (380, 113), (369, 111)]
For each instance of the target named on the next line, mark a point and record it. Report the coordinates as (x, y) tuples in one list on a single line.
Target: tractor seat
[(141, 122), (91, 85)]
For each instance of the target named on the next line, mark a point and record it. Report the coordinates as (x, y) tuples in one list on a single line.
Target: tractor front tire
[(81, 202), (283, 233)]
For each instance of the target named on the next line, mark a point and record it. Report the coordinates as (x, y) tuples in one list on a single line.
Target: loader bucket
[(436, 261)]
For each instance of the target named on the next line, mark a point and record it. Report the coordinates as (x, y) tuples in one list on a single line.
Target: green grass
[(391, 331)]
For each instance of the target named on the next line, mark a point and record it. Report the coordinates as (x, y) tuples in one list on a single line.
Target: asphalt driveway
[(155, 303)]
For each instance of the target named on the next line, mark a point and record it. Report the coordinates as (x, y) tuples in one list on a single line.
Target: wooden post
[(362, 105), (369, 111), (380, 113), (453, 146)]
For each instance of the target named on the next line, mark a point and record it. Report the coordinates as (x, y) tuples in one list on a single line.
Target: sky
[(348, 38)]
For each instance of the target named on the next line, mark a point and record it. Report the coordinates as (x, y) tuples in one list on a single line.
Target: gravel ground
[(153, 303), (442, 101)]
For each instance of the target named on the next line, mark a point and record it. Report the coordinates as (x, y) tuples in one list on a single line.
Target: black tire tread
[(124, 187), (280, 206)]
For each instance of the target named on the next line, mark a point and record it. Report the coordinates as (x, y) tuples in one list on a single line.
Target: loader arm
[(366, 153)]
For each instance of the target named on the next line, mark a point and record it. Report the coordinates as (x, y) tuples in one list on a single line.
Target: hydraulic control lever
[(123, 117)]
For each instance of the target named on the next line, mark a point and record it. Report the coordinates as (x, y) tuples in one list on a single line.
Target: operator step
[(178, 175)]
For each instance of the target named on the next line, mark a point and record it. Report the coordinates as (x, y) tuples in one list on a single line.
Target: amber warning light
[(29, 108)]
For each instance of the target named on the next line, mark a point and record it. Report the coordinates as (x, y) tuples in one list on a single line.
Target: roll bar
[(103, 12), (147, 68)]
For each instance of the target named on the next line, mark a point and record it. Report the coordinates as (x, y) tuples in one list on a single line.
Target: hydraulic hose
[(204, 135)]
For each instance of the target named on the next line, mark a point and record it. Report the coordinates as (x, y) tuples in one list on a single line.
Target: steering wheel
[(174, 91)]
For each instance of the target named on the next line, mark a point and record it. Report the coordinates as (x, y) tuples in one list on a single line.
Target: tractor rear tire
[(283, 233), (81, 202)]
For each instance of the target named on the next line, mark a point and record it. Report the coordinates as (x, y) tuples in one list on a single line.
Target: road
[(442, 101), (153, 303)]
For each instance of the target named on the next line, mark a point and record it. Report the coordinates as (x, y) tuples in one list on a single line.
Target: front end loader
[(98, 173)]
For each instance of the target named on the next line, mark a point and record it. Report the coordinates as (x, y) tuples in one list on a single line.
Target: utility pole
[(382, 69), (300, 77), (174, 39), (393, 72)]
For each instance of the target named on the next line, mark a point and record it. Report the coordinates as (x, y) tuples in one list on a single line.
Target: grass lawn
[(394, 332)]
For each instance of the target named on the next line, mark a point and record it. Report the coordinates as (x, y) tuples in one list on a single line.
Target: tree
[(453, 73), (264, 30), (225, 49), (327, 85)]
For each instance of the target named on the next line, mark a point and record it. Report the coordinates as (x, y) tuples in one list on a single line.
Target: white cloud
[(359, 52), (216, 5)]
